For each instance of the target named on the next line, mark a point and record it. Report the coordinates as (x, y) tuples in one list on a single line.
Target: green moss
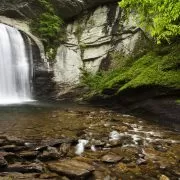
[(46, 4), (178, 101), (152, 69), (48, 26)]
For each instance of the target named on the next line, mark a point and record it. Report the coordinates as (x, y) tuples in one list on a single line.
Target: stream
[(111, 144)]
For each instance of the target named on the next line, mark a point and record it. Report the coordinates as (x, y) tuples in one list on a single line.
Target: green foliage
[(160, 17), (48, 26), (150, 70), (157, 68), (46, 5), (120, 60), (90, 79)]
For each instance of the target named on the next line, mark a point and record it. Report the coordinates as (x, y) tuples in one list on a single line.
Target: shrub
[(48, 27), (159, 17)]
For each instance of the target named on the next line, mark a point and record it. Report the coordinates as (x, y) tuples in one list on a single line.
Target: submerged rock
[(50, 154), (71, 168), (64, 149), (161, 148), (163, 177), (14, 140), (110, 158)]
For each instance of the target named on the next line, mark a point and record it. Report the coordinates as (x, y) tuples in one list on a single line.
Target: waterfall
[(15, 71)]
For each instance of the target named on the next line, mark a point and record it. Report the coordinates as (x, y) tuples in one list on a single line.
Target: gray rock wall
[(90, 40)]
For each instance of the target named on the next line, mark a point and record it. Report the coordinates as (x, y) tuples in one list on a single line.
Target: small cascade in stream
[(15, 73)]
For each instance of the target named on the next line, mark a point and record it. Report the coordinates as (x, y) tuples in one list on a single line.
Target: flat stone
[(48, 156), (163, 177), (161, 148), (16, 141), (12, 148), (17, 176), (28, 154), (71, 168), (21, 168), (111, 158), (54, 143), (48, 176)]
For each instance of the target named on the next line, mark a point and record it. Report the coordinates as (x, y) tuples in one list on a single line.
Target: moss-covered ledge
[(159, 67)]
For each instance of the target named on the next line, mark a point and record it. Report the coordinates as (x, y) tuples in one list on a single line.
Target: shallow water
[(54, 120), (107, 132), (37, 120)]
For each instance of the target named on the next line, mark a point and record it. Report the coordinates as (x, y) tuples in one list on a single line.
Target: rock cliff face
[(91, 38)]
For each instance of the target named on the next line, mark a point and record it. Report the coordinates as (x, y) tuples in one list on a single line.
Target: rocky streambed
[(82, 142)]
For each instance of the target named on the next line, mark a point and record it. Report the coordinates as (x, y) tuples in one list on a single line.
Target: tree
[(160, 17)]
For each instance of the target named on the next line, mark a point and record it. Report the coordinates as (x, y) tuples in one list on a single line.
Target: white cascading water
[(14, 67)]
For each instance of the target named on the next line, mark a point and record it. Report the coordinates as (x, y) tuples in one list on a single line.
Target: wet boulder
[(50, 154), (111, 158), (72, 168)]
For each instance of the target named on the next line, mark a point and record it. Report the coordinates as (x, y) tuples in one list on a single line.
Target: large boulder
[(19, 9), (70, 8), (31, 8)]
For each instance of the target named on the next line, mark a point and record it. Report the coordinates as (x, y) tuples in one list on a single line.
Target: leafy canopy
[(160, 17), (49, 26)]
